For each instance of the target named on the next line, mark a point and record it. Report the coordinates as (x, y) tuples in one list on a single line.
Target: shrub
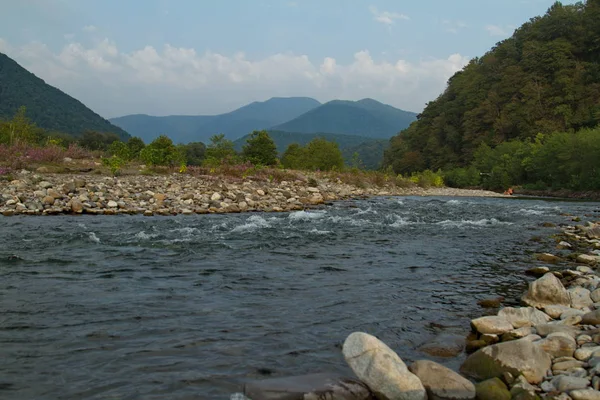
[(260, 149), (161, 152), (114, 163)]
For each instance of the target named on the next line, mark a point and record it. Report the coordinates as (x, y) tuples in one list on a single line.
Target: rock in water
[(546, 291), (375, 364), (442, 383), (308, 387), (519, 357), (492, 324), (444, 345)]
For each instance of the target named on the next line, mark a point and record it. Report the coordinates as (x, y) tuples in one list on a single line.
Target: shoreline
[(34, 193)]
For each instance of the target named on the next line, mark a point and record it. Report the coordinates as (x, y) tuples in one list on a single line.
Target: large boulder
[(308, 387), (375, 364), (591, 318), (442, 383), (519, 357), (558, 344), (524, 316), (545, 291), (580, 297), (492, 325)]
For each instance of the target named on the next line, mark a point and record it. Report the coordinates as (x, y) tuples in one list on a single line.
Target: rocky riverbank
[(50, 194), (547, 349)]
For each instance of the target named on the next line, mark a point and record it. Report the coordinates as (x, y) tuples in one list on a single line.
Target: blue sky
[(165, 57)]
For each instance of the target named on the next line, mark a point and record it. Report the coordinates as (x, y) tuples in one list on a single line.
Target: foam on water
[(306, 216), (467, 222), (93, 237), (255, 222), (320, 232), (145, 236), (525, 211)]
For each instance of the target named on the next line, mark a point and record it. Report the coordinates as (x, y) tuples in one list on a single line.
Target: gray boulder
[(442, 383), (545, 291), (558, 344), (492, 325), (580, 297), (384, 372), (524, 316), (519, 357)]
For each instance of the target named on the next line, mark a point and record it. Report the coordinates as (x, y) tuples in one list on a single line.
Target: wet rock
[(563, 245), (519, 357), (442, 383), (538, 271), (547, 257), (444, 345), (555, 311), (76, 206), (566, 365), (584, 353), (518, 333), (523, 316), (375, 364), (491, 303), (587, 259), (308, 387), (545, 291), (492, 324), (492, 389)]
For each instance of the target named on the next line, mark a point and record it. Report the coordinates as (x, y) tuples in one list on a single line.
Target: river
[(184, 307)]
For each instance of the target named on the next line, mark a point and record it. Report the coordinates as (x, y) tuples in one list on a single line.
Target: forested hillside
[(543, 79), (48, 107)]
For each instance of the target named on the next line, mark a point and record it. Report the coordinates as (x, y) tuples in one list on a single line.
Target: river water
[(188, 307)]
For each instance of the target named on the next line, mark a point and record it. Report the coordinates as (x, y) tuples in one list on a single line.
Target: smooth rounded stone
[(572, 312), (585, 394), (565, 383), (595, 296), (45, 184), (558, 345), (571, 320), (564, 245), (566, 365), (112, 204), (491, 303), (537, 271), (571, 273), (582, 339), (555, 311), (308, 387), (593, 361), (519, 357), (591, 318), (375, 364), (518, 333), (586, 259), (547, 386), (76, 206), (442, 383), (546, 329), (492, 324), (584, 269), (547, 257), (444, 345), (532, 337), (584, 353), (545, 291), (492, 389), (490, 338), (523, 316), (580, 297)]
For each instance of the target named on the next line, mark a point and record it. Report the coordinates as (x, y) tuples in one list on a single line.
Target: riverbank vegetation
[(526, 113), (24, 145)]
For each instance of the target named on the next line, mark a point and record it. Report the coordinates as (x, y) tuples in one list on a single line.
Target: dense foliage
[(162, 151), (260, 149), (543, 79), (318, 154), (48, 107)]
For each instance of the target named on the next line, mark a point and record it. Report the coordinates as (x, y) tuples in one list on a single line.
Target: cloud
[(89, 28), (179, 80), (386, 17), (495, 30), (453, 26)]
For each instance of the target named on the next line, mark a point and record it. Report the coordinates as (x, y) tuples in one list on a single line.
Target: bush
[(428, 178), (260, 149), (318, 155), (220, 151), (462, 177), (114, 163), (195, 152), (162, 152), (135, 146)]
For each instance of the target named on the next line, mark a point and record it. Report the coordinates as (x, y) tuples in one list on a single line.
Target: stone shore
[(50, 194)]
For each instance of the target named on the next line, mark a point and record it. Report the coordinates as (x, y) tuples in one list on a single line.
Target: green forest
[(525, 113)]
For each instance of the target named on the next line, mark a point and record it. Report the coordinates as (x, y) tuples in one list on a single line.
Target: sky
[(201, 57)]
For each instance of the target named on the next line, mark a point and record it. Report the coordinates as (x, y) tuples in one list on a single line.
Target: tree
[(260, 149), (135, 146), (323, 155), (194, 152), (162, 151), (93, 140), (19, 129), (293, 157), (220, 150)]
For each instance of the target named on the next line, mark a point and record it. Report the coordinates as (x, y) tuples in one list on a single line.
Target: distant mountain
[(46, 105), (370, 151), (367, 118), (234, 124)]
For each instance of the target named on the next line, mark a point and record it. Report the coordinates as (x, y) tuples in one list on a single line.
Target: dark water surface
[(130, 307)]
